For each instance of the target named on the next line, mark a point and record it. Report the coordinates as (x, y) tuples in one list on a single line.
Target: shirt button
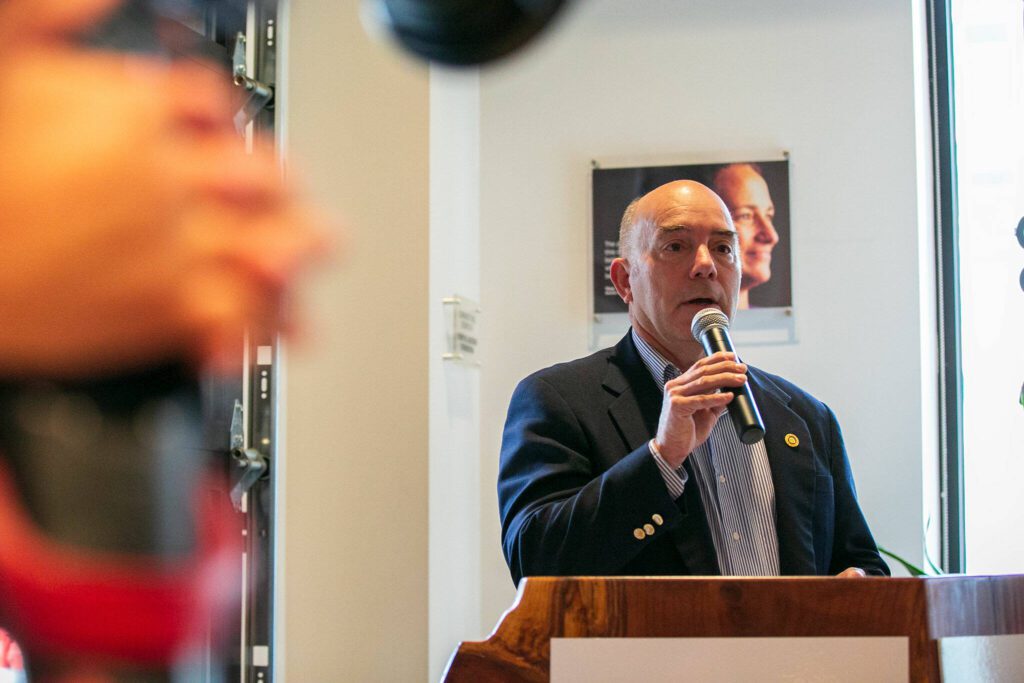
[(639, 534), (721, 478), (735, 535)]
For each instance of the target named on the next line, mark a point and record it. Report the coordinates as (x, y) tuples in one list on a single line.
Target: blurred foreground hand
[(134, 228)]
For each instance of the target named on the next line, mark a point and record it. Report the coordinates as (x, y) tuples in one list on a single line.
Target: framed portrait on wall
[(756, 192)]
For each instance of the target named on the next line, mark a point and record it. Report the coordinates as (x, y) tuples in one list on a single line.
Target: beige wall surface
[(353, 467)]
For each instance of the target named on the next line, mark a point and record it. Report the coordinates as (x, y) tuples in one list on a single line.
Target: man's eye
[(673, 246), (743, 216), (724, 248)]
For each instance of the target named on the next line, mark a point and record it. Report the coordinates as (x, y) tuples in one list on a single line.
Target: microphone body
[(711, 328)]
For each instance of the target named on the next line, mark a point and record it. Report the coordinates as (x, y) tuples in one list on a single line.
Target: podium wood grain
[(922, 610)]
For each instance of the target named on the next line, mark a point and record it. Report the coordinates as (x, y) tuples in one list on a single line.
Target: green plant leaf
[(914, 570)]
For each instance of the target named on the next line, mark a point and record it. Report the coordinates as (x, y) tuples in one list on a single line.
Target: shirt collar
[(653, 360)]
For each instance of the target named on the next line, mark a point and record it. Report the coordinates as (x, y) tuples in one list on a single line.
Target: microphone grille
[(706, 319)]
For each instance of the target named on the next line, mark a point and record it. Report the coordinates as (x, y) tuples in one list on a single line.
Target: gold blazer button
[(792, 441)]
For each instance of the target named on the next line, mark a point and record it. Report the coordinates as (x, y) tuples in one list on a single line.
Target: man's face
[(683, 259), (746, 194)]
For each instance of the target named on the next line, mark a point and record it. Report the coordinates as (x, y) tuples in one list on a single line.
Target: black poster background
[(615, 188)]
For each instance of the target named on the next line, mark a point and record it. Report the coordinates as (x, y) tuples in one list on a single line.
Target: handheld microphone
[(710, 327)]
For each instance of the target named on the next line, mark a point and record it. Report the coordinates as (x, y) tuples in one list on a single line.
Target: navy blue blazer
[(576, 479)]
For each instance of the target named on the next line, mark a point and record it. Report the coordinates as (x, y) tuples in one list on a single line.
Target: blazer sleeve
[(560, 514), (854, 545)]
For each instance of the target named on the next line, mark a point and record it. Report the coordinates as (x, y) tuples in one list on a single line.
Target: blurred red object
[(69, 603)]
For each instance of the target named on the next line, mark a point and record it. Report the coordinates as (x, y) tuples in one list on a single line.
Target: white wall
[(834, 83), (455, 500)]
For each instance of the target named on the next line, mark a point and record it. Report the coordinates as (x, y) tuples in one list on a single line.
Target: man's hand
[(691, 405), (851, 573)]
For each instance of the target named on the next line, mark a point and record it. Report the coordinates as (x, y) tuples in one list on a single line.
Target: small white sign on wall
[(462, 330)]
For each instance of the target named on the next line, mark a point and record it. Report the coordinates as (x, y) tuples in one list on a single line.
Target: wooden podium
[(917, 616)]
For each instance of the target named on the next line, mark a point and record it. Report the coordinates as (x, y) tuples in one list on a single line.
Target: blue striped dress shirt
[(735, 484)]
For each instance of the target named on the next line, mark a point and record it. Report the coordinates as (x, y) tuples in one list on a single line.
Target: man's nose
[(703, 265), (765, 230)]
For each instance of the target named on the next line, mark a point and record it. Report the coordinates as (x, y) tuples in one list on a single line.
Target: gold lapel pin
[(792, 441)]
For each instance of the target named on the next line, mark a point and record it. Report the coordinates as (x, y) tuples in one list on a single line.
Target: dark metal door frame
[(240, 411), (948, 271)]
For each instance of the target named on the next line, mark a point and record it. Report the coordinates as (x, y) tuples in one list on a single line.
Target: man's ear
[(619, 272)]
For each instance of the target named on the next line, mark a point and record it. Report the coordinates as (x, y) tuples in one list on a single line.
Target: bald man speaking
[(626, 462)]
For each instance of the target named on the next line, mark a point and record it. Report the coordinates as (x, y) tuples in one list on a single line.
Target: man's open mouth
[(701, 301)]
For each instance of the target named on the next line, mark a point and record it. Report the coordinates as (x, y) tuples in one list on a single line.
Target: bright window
[(988, 76)]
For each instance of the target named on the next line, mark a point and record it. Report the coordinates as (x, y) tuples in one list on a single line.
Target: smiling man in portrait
[(744, 190)]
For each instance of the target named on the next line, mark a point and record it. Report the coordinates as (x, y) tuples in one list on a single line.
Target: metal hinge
[(248, 463), (261, 95)]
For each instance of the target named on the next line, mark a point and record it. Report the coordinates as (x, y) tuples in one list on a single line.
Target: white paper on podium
[(982, 659), (730, 660)]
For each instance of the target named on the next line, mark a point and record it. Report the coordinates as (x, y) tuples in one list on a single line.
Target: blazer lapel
[(636, 400), (793, 476), (634, 409)]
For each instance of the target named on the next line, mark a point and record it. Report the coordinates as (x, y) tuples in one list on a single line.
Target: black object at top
[(465, 32)]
